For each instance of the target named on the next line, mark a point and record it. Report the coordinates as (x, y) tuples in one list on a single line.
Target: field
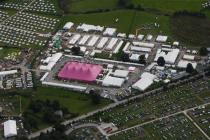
[(176, 127), (161, 5), (75, 102), (191, 30), (170, 5), (129, 20), (149, 108), (92, 5)]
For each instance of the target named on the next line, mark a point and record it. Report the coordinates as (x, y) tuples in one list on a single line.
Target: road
[(157, 119)]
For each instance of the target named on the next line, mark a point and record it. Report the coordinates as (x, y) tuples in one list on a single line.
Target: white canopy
[(68, 25), (10, 128)]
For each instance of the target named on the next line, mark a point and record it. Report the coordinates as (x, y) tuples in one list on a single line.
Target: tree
[(96, 98), (36, 106), (203, 51), (125, 57), (55, 105), (76, 50), (142, 59), (59, 127), (124, 3), (189, 68), (161, 61)]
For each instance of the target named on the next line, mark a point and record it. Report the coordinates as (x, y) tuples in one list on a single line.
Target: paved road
[(157, 119)]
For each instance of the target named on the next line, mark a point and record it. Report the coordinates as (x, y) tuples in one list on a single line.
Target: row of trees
[(128, 4), (187, 13)]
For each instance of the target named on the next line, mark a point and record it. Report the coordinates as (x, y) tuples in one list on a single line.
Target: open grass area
[(76, 102), (92, 5), (105, 19), (129, 20), (166, 6), (170, 5)]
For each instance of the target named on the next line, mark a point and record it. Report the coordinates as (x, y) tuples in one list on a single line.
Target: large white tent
[(110, 31), (170, 55), (3, 73), (161, 38), (10, 128), (121, 73), (51, 62), (145, 81), (68, 25), (113, 81), (184, 63)]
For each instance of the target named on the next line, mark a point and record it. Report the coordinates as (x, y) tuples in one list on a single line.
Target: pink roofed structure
[(80, 71)]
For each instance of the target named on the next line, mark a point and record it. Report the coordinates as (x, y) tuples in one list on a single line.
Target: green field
[(76, 102), (171, 5), (160, 5), (129, 20), (92, 5)]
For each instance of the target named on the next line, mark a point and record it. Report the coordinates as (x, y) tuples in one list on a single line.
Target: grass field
[(76, 102), (160, 5), (92, 5), (170, 5), (129, 20)]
